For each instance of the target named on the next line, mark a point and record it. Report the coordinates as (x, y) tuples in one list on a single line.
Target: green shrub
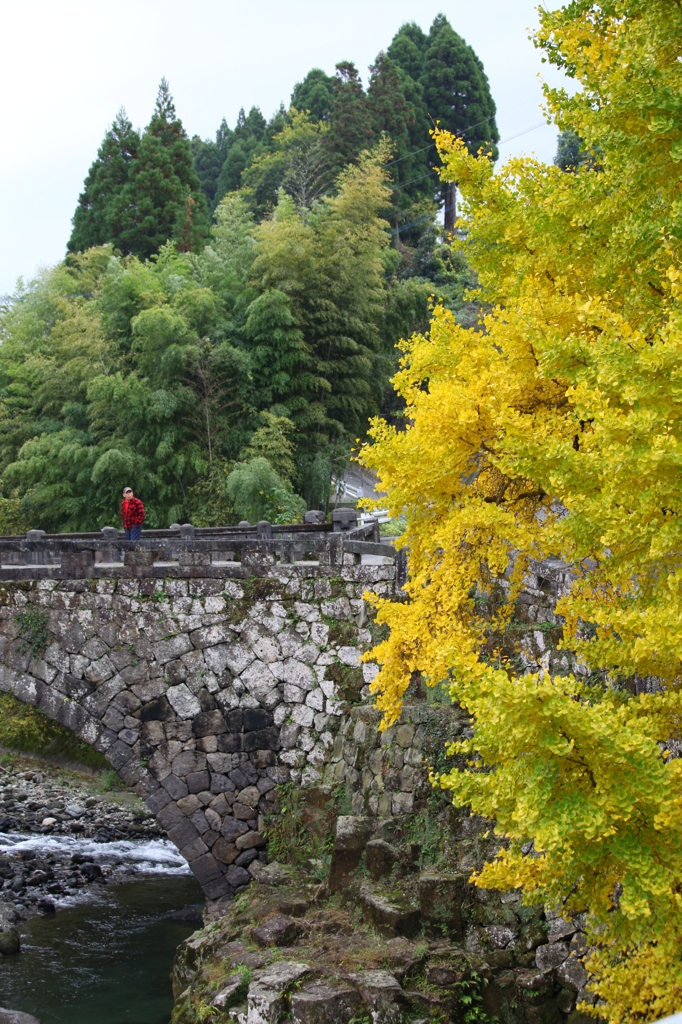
[(33, 629), (24, 728), (394, 527), (257, 492), (12, 519)]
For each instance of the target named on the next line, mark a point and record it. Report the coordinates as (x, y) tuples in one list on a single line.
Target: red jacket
[(132, 513)]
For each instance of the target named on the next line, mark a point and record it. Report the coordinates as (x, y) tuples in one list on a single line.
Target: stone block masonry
[(203, 693)]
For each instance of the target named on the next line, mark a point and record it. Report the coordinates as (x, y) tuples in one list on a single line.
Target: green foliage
[(257, 492), (12, 519), (471, 1000), (454, 91), (296, 162), (26, 729), (110, 781), (247, 141), (142, 191), (33, 629), (168, 356), (351, 130), (297, 833), (209, 158), (329, 266), (273, 442), (397, 109), (315, 94), (208, 501), (97, 217), (239, 995), (129, 379), (572, 154), (281, 360), (162, 199), (394, 527)]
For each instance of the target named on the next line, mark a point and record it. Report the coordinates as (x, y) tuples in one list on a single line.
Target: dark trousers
[(133, 532)]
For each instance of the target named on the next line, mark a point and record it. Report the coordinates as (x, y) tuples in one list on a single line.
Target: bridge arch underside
[(203, 694)]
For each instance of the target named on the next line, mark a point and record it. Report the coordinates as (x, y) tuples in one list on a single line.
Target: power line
[(470, 128), (399, 188), (405, 227), (540, 124), (413, 152)]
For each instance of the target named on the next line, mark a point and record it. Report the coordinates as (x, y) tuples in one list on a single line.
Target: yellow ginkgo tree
[(555, 428)]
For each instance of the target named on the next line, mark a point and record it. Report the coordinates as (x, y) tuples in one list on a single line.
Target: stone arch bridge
[(208, 666)]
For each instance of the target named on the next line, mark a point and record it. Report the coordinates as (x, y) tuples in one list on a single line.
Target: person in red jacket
[(132, 514)]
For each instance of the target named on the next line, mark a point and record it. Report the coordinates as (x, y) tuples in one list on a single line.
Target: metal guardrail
[(240, 551)]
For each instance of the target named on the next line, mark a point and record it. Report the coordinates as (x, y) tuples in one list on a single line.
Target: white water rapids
[(144, 856)]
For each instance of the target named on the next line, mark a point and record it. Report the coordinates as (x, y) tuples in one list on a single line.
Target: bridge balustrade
[(188, 551)]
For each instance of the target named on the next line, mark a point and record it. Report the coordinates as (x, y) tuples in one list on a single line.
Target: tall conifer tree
[(163, 193), (350, 129), (456, 90), (209, 158), (407, 49), (247, 137), (457, 95), (396, 107), (94, 222), (314, 94)]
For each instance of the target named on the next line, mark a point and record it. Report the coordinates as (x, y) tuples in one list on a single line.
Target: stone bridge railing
[(188, 552)]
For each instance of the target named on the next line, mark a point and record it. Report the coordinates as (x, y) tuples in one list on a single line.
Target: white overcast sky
[(68, 65)]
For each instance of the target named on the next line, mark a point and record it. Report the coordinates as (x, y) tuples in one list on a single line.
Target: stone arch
[(203, 694)]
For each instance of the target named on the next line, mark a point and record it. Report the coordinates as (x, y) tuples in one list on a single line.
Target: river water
[(105, 956)]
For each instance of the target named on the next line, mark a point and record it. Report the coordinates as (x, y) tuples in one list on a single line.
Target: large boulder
[(322, 1004), (266, 991), (229, 992), (277, 930), (382, 995), (440, 900), (390, 916), (381, 857), (17, 1017), (572, 975), (350, 840)]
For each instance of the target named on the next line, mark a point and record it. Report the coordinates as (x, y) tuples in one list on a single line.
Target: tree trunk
[(450, 211)]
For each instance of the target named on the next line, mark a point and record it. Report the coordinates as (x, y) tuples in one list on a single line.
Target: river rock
[(16, 1017), (74, 810), (278, 930), (391, 917), (381, 857), (352, 834), (227, 992), (321, 1004), (266, 991), (381, 994), (9, 942), (31, 802), (440, 898)]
